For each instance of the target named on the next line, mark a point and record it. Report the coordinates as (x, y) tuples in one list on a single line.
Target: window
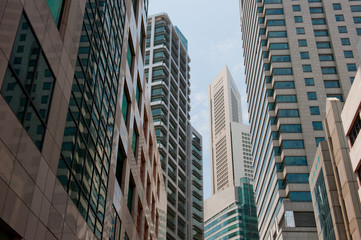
[(357, 20), (279, 22), (272, 1), (262, 31), (355, 130), (281, 58), (348, 54), (285, 113), (292, 144), (277, 34), (302, 43), (274, 11), (298, 19), (320, 33), (325, 57), (318, 140), (297, 177), (352, 79), (130, 194), (286, 99), (55, 7), (125, 105), (282, 71), (317, 126), (342, 29), (345, 41), (337, 6), (300, 30), (339, 18), (338, 96), (261, 20), (351, 67), (290, 128), (355, 8), (296, 8), (309, 82), (305, 55), (315, 110), (134, 140), (295, 161), (321, 45), (30, 105), (300, 196), (120, 163), (311, 96), (318, 21), (278, 46), (358, 31), (331, 84), (307, 68), (328, 70), (316, 10), (130, 54), (264, 42), (284, 85)]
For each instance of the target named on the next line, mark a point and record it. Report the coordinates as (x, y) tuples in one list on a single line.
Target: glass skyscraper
[(296, 54)]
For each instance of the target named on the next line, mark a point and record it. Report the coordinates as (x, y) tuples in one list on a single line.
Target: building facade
[(77, 159), (351, 121), (231, 213), (168, 82), (296, 55), (332, 175), (229, 138), (195, 179)]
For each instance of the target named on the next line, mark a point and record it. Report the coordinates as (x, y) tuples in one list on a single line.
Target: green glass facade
[(323, 208), (55, 7), (239, 219), (87, 144)]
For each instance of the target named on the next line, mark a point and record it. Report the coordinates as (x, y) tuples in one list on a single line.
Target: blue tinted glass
[(319, 33), (338, 96), (312, 96), (274, 11), (355, 8), (290, 128), (284, 85), (277, 46), (315, 110), (348, 54), (358, 31), (325, 57), (302, 43), (281, 58), (319, 139), (342, 29), (357, 20), (286, 98), (288, 113), (300, 197), (292, 144), (331, 84), (318, 21), (328, 70), (305, 55), (279, 22), (316, 10), (339, 18), (297, 178), (295, 161), (272, 1), (306, 68), (309, 82), (337, 6), (282, 71), (345, 41), (317, 126), (296, 8), (351, 67), (298, 19), (274, 34), (300, 30)]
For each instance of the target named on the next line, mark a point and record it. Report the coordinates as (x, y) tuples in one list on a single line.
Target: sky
[(212, 28)]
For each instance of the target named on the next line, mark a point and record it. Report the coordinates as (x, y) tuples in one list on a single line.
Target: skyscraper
[(167, 72), (296, 54), (76, 131), (230, 144)]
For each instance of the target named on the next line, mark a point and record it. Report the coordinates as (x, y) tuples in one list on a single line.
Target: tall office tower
[(77, 160), (231, 213), (296, 54), (167, 72), (230, 146), (195, 178)]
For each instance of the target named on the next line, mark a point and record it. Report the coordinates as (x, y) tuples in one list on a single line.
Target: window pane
[(305, 55), (55, 9), (317, 126), (309, 82), (348, 54)]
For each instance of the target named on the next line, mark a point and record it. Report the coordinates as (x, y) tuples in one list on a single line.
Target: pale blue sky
[(212, 28)]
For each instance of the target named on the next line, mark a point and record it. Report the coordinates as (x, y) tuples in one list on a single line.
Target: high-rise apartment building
[(229, 138), (167, 72), (296, 54), (195, 179), (77, 159)]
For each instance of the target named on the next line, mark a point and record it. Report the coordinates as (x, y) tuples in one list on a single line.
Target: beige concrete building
[(229, 138), (78, 158), (296, 54), (332, 183), (351, 120)]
